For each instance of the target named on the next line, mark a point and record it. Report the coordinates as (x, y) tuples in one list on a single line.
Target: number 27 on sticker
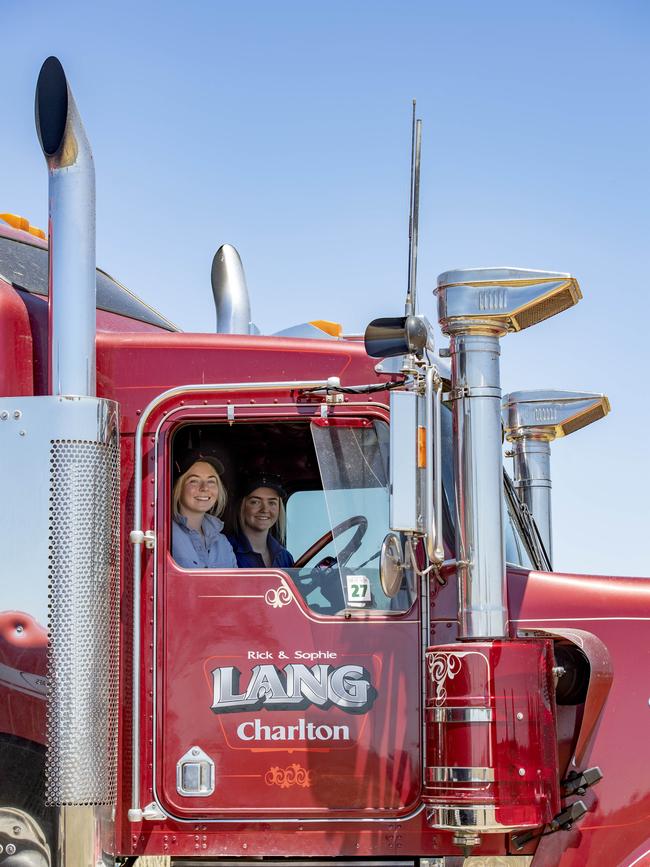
[(358, 588)]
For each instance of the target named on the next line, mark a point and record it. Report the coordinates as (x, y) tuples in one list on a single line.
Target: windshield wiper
[(528, 527)]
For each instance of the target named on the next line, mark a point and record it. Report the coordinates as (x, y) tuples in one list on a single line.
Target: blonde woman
[(259, 538), (198, 499)]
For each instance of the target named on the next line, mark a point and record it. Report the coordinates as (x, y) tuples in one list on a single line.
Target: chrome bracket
[(477, 391), (455, 393), (146, 538), (150, 813)]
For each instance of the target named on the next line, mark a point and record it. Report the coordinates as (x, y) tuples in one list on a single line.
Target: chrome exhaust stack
[(476, 308), (532, 420), (71, 230), (73, 455), (230, 292)]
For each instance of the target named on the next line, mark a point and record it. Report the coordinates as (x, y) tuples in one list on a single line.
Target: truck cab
[(418, 688)]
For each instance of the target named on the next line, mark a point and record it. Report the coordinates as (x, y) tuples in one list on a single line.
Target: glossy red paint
[(16, 348), (156, 354), (491, 731), (135, 368), (23, 676), (616, 612), (273, 758)]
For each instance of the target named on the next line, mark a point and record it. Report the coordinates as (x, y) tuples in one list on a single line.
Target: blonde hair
[(278, 530), (222, 494)]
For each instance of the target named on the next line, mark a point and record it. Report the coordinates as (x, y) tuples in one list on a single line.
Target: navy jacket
[(195, 551), (249, 559)]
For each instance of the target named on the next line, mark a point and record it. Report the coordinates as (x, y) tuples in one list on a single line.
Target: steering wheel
[(353, 545)]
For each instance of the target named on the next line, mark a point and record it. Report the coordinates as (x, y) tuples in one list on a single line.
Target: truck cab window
[(334, 476), (341, 527)]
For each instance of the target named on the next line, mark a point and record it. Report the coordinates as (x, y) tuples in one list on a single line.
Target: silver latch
[(195, 774), (146, 538)]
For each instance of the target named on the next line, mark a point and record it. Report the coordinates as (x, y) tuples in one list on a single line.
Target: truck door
[(287, 692)]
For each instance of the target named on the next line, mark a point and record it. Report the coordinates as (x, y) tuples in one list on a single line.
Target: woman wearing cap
[(258, 540), (198, 498)]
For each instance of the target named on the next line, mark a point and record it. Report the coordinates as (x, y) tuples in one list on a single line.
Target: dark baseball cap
[(262, 480), (183, 463)]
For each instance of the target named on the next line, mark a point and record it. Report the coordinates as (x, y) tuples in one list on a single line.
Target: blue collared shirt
[(207, 550), (249, 559)]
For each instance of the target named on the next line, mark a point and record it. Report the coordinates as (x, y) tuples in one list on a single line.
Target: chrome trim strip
[(460, 775), (461, 714), (433, 471), (425, 627), (478, 817), (301, 820), (300, 862), (291, 385), (250, 861), (437, 468)]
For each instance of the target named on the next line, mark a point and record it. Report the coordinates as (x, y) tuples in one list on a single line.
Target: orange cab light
[(422, 447), (333, 328), (21, 223)]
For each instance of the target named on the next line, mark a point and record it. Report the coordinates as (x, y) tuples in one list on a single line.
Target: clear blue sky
[(283, 128)]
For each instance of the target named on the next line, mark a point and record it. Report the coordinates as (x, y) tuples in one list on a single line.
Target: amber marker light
[(422, 448), (23, 224), (333, 328)]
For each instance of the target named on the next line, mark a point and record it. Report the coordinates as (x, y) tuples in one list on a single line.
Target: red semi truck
[(420, 686)]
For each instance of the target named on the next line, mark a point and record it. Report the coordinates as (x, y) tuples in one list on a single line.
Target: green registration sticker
[(358, 589)]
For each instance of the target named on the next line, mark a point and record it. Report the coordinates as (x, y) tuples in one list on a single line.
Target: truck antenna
[(414, 211)]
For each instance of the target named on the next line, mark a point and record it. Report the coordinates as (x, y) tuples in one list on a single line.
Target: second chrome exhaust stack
[(71, 230), (230, 292), (532, 420), (476, 308)]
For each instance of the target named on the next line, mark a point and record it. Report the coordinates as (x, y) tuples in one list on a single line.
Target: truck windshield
[(25, 266), (352, 512)]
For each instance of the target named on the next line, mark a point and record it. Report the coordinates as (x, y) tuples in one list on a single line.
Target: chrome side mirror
[(416, 464), (396, 335), (391, 565)]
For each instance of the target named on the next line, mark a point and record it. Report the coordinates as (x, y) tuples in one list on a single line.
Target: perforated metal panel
[(83, 620)]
